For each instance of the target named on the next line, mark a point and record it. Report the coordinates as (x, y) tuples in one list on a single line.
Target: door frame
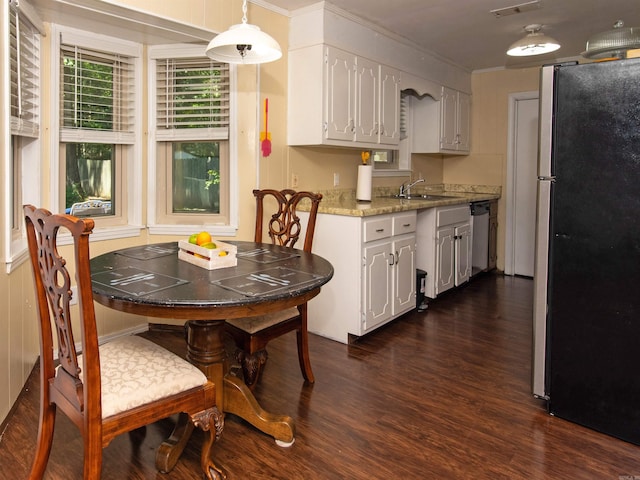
[(509, 247)]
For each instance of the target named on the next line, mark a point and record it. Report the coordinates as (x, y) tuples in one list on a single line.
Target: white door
[(340, 94), (367, 94), (521, 188), (404, 278), (389, 105), (464, 121), (462, 236), (445, 270), (377, 283), (448, 119)]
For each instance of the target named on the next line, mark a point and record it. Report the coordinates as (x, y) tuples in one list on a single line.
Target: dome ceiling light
[(244, 44), (613, 43), (534, 43)]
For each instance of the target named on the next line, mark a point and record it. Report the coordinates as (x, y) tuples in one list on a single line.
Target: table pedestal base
[(239, 400), (205, 349)]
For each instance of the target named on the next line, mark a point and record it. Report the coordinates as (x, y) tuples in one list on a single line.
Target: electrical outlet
[(74, 295), (336, 179), (294, 180)]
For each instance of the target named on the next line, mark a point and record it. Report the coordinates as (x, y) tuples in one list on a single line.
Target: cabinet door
[(389, 106), (445, 273), (463, 120), (377, 284), (404, 275), (448, 119), (462, 235), (340, 86), (367, 87)]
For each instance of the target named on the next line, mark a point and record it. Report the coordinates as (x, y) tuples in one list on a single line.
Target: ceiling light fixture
[(243, 43), (534, 43), (613, 43)]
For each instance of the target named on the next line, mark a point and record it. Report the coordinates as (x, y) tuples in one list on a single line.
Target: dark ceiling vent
[(515, 9)]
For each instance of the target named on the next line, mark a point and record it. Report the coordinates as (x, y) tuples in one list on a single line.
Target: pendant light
[(534, 43), (243, 43)]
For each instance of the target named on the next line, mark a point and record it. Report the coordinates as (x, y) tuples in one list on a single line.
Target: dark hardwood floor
[(442, 394)]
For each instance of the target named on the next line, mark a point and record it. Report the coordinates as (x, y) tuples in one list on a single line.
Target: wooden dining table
[(151, 280)]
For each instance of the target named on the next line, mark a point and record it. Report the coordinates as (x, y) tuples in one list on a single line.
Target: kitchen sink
[(420, 197)]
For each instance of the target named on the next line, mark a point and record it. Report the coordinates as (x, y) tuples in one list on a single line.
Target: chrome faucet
[(406, 189)]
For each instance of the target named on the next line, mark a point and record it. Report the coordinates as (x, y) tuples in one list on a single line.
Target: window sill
[(18, 259), (100, 234), (186, 230)]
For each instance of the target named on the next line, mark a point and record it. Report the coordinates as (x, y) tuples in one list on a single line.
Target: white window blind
[(192, 99), (24, 53), (97, 96)]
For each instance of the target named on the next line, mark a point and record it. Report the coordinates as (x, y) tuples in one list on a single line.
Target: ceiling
[(467, 33)]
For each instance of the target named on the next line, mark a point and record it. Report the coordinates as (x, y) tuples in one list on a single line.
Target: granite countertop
[(343, 201)]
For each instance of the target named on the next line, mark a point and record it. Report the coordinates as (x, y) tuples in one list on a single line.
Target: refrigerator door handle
[(552, 178)]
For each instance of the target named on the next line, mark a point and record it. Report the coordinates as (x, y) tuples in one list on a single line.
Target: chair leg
[(45, 439), (303, 346), (252, 365), (92, 452), (211, 421)]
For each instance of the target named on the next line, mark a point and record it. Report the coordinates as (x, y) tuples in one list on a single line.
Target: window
[(97, 100), (98, 132), (23, 79), (191, 175)]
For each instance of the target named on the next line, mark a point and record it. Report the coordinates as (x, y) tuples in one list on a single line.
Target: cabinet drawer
[(376, 228), (449, 216), (404, 223)]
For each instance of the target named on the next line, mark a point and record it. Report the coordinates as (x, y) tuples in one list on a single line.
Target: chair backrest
[(53, 293), (284, 225)]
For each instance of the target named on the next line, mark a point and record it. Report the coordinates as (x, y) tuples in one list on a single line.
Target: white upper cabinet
[(340, 98), (456, 111), (345, 80), (337, 98), (442, 125), (389, 105), (367, 95)]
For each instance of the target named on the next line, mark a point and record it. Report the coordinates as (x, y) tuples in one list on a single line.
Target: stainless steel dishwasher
[(479, 237)]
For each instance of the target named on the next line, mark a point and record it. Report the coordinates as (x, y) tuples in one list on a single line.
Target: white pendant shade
[(244, 43), (535, 43)]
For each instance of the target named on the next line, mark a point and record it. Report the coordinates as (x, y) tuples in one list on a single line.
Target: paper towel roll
[(363, 189)]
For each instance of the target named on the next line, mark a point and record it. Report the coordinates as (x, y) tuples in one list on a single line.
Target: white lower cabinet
[(374, 273), (444, 247), (389, 280)]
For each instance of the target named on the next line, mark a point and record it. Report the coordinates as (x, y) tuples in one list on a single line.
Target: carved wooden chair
[(110, 389), (251, 334)]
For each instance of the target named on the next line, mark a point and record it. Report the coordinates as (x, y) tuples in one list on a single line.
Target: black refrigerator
[(586, 326)]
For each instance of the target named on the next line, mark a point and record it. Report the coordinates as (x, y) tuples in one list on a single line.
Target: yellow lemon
[(223, 253), (209, 245)]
